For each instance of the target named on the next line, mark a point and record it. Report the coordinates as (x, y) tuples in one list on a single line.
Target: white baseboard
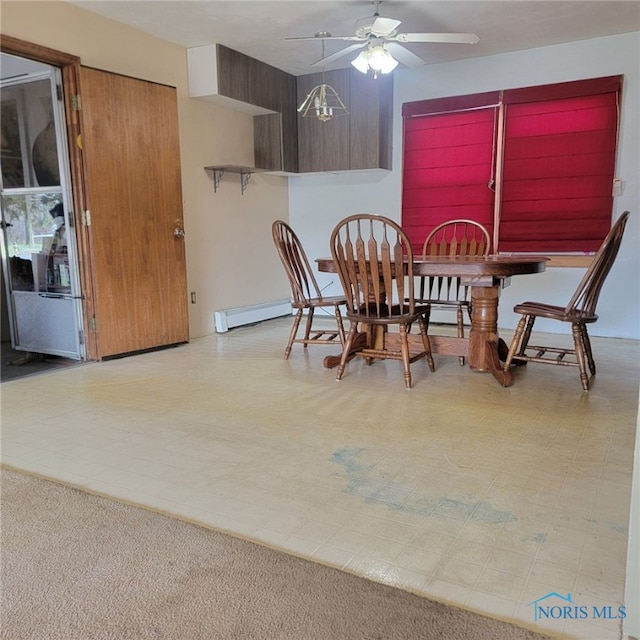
[(229, 318)]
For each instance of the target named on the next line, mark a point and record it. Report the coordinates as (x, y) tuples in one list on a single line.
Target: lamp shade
[(381, 60), (361, 63), (376, 58)]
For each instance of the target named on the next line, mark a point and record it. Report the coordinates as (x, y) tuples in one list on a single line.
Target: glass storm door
[(39, 256)]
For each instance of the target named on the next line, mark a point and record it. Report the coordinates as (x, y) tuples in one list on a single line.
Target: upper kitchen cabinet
[(220, 74), (324, 145), (360, 140), (371, 109), (283, 139)]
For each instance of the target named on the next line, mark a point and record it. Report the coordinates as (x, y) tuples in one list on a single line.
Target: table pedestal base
[(484, 344), (483, 348)]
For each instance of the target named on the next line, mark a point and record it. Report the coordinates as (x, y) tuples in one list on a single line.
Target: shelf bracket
[(244, 172), (245, 176), (217, 175)]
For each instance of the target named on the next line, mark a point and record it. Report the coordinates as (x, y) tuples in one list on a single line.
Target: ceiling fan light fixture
[(373, 33), (376, 58), (381, 60)]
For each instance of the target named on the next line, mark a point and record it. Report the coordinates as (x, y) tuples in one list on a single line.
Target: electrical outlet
[(193, 297)]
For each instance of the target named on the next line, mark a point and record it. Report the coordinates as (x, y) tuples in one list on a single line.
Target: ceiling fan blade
[(384, 26), (403, 55), (357, 38), (452, 38), (337, 54)]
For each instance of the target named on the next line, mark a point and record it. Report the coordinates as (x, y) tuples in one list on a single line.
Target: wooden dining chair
[(452, 238), (305, 292), (374, 260), (579, 311)]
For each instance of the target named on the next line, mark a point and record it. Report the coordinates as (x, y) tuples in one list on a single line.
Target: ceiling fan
[(379, 38)]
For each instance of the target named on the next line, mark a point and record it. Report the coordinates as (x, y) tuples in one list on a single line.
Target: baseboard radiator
[(229, 318)]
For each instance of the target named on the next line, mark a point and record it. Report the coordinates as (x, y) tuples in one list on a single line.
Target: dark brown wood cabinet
[(219, 74), (370, 133), (253, 82), (360, 140), (324, 146), (284, 141), (269, 143)]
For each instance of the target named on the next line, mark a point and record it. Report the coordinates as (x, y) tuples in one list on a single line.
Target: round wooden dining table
[(486, 276)]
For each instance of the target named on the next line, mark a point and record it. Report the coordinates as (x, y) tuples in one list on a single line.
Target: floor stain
[(618, 528), (377, 488)]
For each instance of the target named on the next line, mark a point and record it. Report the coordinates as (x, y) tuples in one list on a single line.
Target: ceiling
[(259, 28)]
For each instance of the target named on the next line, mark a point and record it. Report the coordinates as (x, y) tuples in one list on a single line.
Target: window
[(534, 165)]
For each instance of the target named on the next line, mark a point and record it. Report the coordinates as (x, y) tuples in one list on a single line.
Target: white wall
[(318, 202)]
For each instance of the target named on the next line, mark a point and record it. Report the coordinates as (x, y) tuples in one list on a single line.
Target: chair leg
[(527, 334), (307, 331), (422, 324), (371, 341), (292, 335), (580, 355), (460, 322), (340, 325), (346, 349), (515, 342), (404, 347), (587, 349)]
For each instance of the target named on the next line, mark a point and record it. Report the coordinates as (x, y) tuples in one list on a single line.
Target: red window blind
[(558, 164), (558, 170), (448, 162)]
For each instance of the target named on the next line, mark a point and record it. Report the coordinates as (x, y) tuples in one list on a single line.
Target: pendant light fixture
[(323, 101)]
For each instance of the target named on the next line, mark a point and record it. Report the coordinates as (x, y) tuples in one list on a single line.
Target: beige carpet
[(78, 566)]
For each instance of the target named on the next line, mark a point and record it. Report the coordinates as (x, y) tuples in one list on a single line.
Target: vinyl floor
[(506, 501)]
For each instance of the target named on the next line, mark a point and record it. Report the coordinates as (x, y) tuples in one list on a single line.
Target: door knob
[(178, 231)]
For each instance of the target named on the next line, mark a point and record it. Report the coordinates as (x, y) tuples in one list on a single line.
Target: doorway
[(127, 264), (42, 295)]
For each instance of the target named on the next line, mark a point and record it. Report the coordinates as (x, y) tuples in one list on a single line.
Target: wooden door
[(131, 163)]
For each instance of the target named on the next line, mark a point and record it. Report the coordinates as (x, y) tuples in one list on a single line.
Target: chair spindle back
[(374, 260), (585, 298), (296, 264), (457, 238), (452, 238)]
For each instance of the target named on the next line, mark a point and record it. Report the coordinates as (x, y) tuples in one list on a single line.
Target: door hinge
[(58, 92), (76, 102), (86, 218), (92, 324), (81, 336), (72, 218)]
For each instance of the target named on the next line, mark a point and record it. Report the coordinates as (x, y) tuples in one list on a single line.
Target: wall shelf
[(244, 173)]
